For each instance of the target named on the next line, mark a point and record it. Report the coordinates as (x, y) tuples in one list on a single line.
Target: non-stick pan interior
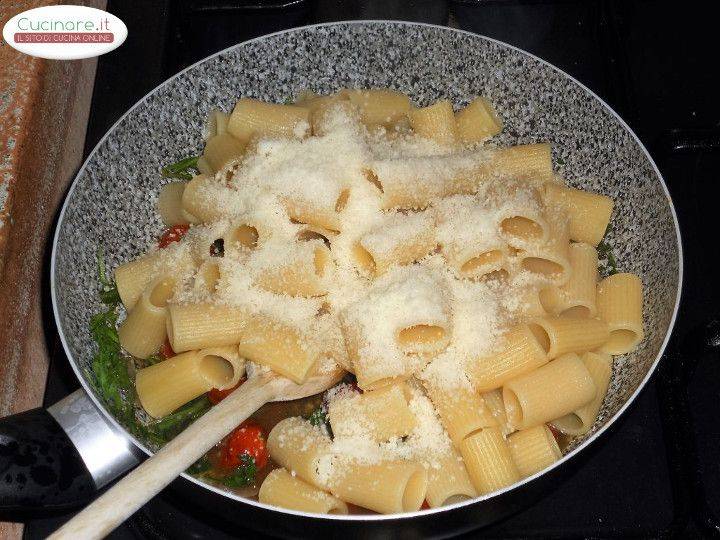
[(111, 205)]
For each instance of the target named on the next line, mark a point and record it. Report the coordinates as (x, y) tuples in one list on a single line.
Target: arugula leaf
[(110, 368), (181, 169), (244, 475), (174, 423), (318, 417)]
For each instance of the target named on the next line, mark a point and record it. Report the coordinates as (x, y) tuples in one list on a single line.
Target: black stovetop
[(656, 473)]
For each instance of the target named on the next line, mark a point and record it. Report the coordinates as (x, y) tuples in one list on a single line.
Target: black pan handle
[(56, 459), (41, 472)]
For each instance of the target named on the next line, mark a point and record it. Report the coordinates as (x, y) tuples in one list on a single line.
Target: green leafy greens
[(181, 169), (318, 417), (108, 365), (172, 424), (244, 474)]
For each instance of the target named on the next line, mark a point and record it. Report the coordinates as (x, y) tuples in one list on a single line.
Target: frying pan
[(111, 205)]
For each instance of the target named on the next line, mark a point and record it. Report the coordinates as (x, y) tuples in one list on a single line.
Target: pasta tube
[(379, 107), (578, 422), (170, 205), (143, 331), (620, 303), (399, 239), (533, 449), (462, 411), (549, 392), (280, 488), (488, 460), (588, 213), (302, 449), (577, 297), (560, 335), (436, 122), (478, 121), (220, 150), (521, 352), (167, 385), (387, 487), (379, 414), (448, 481), (252, 117)]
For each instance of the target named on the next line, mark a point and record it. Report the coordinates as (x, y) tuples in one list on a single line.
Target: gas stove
[(655, 474)]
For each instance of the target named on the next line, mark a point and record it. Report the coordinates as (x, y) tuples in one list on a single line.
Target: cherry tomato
[(166, 350), (247, 439), (173, 234), (216, 396)]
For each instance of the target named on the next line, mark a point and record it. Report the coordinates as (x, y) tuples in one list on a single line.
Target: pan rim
[(406, 515)]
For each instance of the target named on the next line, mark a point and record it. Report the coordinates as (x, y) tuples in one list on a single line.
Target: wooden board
[(44, 108)]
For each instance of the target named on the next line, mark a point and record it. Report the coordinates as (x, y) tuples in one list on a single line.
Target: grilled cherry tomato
[(216, 396), (173, 234), (166, 350), (247, 439)]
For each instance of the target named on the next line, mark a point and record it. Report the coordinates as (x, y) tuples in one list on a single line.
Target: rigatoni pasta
[(436, 122), (599, 365), (521, 352), (533, 449), (461, 410), (402, 488), (379, 107), (381, 414), (144, 330), (478, 121), (560, 335), (619, 299), (456, 282), (287, 491), (588, 213), (577, 297), (301, 448), (221, 150), (398, 239), (488, 460), (170, 205), (165, 386), (549, 392), (449, 482), (251, 117)]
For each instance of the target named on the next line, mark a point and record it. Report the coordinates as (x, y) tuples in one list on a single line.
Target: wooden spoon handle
[(122, 500)]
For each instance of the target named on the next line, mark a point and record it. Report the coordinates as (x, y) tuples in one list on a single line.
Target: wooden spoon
[(118, 503)]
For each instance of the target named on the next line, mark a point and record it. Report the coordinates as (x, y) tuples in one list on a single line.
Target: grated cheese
[(280, 174)]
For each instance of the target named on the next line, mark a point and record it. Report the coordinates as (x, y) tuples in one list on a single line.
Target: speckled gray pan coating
[(112, 203)]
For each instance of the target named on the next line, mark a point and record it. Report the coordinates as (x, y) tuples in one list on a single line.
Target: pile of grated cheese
[(315, 171)]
